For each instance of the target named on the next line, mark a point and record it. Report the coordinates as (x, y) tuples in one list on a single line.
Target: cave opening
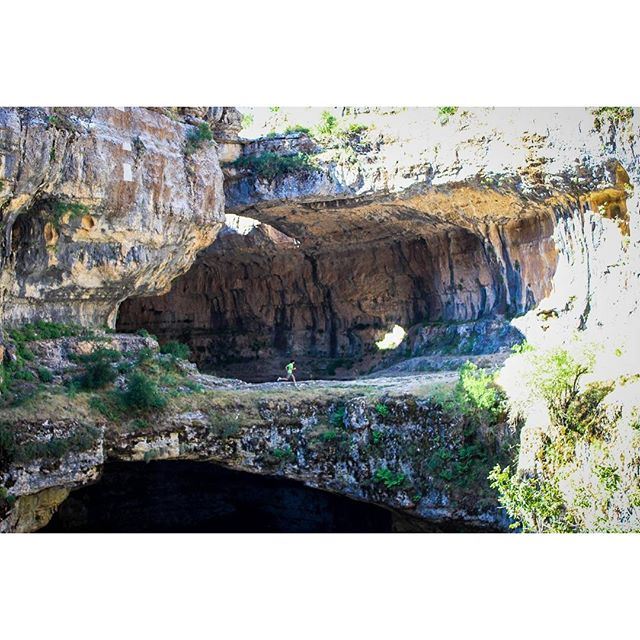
[(326, 287), (201, 497)]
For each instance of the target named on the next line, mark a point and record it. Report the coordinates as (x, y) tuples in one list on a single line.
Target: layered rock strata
[(98, 204)]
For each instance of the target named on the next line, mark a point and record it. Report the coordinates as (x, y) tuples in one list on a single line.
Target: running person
[(291, 367)]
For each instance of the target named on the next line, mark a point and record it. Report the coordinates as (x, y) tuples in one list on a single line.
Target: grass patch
[(390, 479), (11, 451)]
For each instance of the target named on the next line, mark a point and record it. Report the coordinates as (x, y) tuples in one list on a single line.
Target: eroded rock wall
[(417, 219), (249, 300), (97, 204)]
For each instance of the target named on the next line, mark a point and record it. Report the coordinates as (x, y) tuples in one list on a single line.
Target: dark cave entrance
[(201, 497), (255, 299)]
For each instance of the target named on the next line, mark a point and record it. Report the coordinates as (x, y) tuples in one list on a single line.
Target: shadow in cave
[(200, 497)]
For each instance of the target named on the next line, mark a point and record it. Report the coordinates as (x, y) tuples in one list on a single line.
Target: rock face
[(424, 222), (99, 204), (260, 297), (386, 444)]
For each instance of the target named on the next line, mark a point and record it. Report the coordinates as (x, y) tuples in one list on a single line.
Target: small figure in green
[(291, 367)]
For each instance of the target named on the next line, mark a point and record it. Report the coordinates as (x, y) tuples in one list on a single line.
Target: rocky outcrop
[(423, 222), (385, 442), (98, 204)]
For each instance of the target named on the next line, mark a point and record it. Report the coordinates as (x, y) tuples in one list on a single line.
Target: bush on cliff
[(578, 481), (176, 349), (7, 445), (476, 396), (42, 330), (142, 393), (79, 439), (99, 370), (535, 505), (270, 165), (198, 137)]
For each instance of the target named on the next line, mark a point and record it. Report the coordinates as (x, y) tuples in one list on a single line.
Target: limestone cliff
[(98, 204), (411, 221), (473, 229), (385, 442)]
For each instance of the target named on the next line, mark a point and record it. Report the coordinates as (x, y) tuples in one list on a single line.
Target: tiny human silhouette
[(291, 367)]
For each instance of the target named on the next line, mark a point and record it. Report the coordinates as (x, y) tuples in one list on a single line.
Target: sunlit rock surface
[(98, 204), (425, 222)]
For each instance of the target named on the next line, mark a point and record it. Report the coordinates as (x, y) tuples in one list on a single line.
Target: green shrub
[(336, 417), (270, 165), (328, 124), (24, 374), (330, 435), (142, 393), (283, 453), (609, 477), (523, 347), (6, 500), (99, 370), (7, 446), (461, 466), (382, 410), (144, 355), (297, 128), (534, 504), (176, 349), (612, 115), (390, 479), (356, 128), (45, 374), (555, 377), (139, 424), (60, 207), (376, 436), (197, 137), (475, 397), (41, 330), (444, 113), (223, 425)]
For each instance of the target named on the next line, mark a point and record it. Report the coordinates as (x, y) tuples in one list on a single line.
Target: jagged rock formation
[(98, 204), (422, 223)]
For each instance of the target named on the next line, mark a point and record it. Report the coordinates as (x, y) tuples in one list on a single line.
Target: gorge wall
[(423, 223), (502, 224), (97, 204)]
